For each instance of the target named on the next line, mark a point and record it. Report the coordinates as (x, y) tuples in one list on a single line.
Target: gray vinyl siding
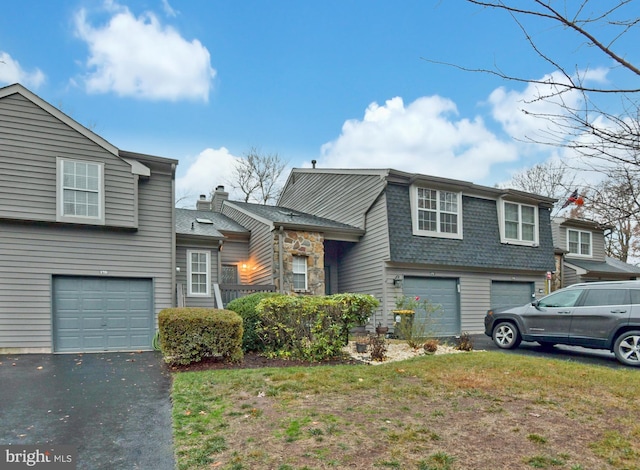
[(31, 254), (260, 262), (236, 253), (30, 141), (597, 243), (344, 198), (181, 277), (361, 268), (570, 276)]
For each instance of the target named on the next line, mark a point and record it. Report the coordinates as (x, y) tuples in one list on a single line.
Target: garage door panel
[(102, 314), (90, 322), (441, 292), (510, 293), (117, 304)]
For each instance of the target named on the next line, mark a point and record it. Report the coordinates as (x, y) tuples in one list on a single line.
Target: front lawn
[(485, 410)]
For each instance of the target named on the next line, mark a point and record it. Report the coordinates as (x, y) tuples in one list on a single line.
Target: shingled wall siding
[(308, 244), (480, 246)]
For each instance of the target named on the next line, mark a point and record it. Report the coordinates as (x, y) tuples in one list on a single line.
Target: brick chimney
[(219, 196), (203, 204)]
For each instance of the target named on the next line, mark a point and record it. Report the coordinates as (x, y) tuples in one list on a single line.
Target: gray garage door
[(506, 294), (102, 314), (439, 291)]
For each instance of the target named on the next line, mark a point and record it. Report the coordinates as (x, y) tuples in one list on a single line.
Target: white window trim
[(78, 219), (580, 233), (190, 292), (306, 272), (414, 213), (519, 241)]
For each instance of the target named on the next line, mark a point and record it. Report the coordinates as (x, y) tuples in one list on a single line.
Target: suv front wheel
[(506, 335), (627, 348)]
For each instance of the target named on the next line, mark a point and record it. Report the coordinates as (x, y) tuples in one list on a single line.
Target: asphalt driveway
[(598, 357), (113, 407)]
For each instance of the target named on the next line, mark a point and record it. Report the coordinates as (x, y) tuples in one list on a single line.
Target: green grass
[(455, 411)]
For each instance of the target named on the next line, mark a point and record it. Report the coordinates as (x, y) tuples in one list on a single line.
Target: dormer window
[(518, 223), (436, 212), (579, 242), (80, 196)]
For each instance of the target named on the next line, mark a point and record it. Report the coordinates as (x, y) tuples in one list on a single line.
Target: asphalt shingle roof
[(610, 265), (187, 223), (284, 215)]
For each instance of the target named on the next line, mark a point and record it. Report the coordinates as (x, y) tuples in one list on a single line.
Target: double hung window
[(579, 243), (80, 191), (198, 273), (519, 223), (437, 213), (300, 273)]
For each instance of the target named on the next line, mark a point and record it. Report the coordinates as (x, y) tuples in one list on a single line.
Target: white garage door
[(442, 292), (102, 314)]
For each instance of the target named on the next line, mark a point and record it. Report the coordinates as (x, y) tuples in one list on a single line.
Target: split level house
[(92, 248)]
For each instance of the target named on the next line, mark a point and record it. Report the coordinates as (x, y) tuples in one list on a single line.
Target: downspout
[(174, 289), (220, 244), (281, 258)]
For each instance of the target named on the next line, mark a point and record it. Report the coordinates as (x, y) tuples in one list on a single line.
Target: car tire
[(627, 348), (506, 335)]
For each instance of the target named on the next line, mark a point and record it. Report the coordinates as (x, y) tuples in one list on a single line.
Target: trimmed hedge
[(246, 308), (311, 328), (189, 334)]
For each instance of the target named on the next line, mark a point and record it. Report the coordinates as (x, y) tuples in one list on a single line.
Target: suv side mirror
[(535, 303)]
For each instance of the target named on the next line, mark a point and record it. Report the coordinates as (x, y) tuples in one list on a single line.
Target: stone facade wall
[(556, 279), (307, 244)]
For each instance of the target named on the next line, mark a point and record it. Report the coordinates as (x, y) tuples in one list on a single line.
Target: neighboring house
[(87, 245), (580, 254), (463, 246)]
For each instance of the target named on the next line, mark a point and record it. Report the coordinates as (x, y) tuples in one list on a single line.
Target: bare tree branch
[(257, 176)]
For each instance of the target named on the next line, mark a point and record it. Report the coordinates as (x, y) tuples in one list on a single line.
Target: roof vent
[(204, 221)]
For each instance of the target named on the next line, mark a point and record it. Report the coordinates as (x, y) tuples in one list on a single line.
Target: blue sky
[(340, 81)]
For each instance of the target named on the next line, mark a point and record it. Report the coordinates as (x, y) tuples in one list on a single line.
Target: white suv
[(601, 315)]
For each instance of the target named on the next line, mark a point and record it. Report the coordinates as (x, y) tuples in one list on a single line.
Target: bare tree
[(257, 176), (614, 204), (600, 136), (552, 179)]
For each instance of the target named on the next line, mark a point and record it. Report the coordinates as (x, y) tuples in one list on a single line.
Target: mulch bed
[(255, 361)]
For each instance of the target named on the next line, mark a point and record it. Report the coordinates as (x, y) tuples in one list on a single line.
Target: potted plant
[(362, 344), (431, 346), (381, 330)]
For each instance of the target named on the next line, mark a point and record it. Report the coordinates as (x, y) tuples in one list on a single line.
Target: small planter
[(361, 348), (382, 330)]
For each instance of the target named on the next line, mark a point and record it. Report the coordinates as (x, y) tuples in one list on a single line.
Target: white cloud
[(209, 169), (539, 101), (143, 58), (424, 137), (11, 72)]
